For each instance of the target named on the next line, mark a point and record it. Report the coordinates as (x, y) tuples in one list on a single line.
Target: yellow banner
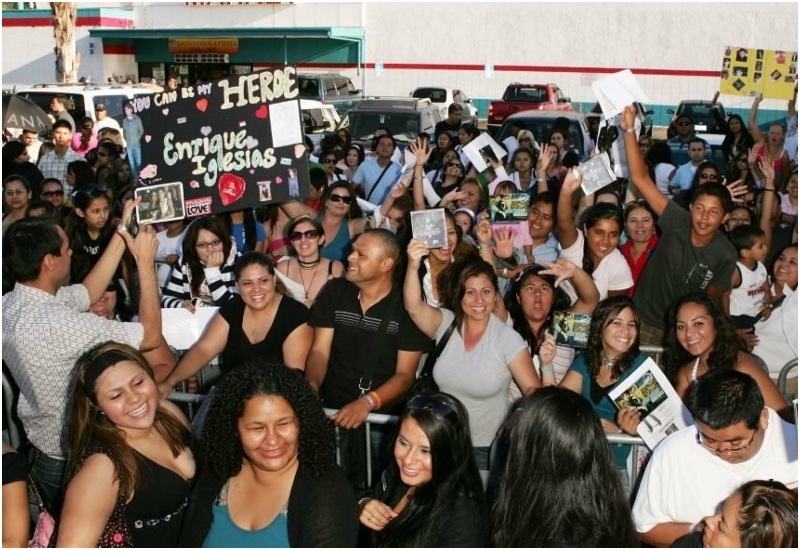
[(749, 72)]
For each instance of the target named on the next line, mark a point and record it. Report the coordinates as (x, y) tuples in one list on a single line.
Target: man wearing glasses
[(735, 439)]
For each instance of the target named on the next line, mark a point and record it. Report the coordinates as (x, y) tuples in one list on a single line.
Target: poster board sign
[(750, 71), (234, 143)]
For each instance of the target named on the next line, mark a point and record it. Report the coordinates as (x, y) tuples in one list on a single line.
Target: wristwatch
[(630, 130)]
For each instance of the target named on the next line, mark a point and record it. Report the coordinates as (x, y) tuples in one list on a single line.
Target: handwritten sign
[(234, 143), (750, 71)]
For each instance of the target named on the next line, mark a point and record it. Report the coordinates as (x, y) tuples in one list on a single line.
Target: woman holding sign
[(770, 146)]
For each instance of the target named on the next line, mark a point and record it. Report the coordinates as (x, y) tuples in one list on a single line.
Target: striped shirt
[(54, 166), (216, 288), (43, 337)]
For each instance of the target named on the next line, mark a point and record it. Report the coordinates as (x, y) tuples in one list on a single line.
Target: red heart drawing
[(231, 188), (262, 112), (202, 104)]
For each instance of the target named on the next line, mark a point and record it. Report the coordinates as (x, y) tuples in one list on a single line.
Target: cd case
[(509, 208), (571, 329), (597, 173), (429, 227)]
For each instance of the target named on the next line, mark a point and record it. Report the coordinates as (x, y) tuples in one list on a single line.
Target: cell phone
[(133, 223)]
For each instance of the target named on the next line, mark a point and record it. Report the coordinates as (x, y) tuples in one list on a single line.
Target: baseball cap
[(100, 107)]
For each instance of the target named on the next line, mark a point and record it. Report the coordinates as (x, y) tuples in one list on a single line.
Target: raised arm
[(755, 131), (637, 169), (588, 295), (722, 124), (768, 219), (294, 209), (421, 154), (426, 317), (791, 109), (546, 155), (566, 230)]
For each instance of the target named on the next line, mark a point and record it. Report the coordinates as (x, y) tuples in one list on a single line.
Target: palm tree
[(65, 15)]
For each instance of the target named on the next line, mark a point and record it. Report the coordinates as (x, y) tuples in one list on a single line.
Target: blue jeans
[(48, 472), (134, 157)]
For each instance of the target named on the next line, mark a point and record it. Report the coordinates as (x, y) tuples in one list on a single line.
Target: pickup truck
[(526, 97)]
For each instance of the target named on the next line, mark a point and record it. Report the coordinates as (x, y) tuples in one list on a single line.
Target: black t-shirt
[(445, 126), (15, 467), (290, 315), (338, 307), (677, 267)]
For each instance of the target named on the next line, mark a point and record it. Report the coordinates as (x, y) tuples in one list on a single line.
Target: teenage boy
[(692, 254)]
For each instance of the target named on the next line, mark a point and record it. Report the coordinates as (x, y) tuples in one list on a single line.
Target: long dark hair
[(595, 213), (601, 318), (727, 344), (86, 133), (191, 258), (78, 232), (561, 487), (455, 474), (249, 223), (561, 302)]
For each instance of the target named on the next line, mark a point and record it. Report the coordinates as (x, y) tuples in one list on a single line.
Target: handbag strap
[(427, 368), (374, 187), (365, 382)]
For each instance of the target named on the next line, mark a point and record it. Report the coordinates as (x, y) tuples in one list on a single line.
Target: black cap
[(100, 107)]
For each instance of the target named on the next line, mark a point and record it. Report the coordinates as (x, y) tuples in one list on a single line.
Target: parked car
[(700, 112), (645, 117), (523, 97), (82, 98), (444, 97), (318, 118), (541, 122), (335, 89), (404, 117)]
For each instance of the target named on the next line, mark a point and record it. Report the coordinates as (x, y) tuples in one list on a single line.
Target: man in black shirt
[(452, 123), (351, 366)]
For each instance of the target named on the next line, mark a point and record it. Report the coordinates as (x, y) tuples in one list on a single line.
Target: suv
[(444, 97), (404, 118), (700, 112), (335, 89), (319, 119), (541, 122), (84, 97)]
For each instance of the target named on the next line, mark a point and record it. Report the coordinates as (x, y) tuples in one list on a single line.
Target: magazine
[(429, 226), (571, 329), (509, 208), (649, 391)]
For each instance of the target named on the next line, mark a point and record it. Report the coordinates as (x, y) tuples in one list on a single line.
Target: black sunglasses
[(684, 123), (452, 164), (295, 236), (428, 403), (59, 193), (340, 198), (329, 161)]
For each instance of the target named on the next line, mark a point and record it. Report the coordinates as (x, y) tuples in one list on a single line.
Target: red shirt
[(638, 266)]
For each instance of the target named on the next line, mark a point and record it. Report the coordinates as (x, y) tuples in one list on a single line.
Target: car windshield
[(436, 95), (541, 131), (403, 126), (696, 111)]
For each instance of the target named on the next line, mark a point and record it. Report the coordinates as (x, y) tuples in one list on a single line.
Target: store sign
[(234, 143), (203, 45)]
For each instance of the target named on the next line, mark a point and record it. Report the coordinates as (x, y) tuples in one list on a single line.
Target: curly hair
[(727, 343), (89, 425), (602, 317), (561, 302), (768, 515), (221, 450)]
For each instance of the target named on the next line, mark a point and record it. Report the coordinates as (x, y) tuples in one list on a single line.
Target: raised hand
[(483, 231), (572, 182), (420, 151), (416, 251), (562, 269), (504, 241), (628, 118), (737, 189)]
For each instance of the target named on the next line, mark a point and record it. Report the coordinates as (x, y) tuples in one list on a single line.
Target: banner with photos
[(749, 72)]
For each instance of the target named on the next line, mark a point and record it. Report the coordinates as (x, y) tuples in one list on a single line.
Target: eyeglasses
[(295, 236), (213, 244), (428, 403), (329, 161), (699, 437), (684, 123), (708, 176), (340, 198), (49, 194), (14, 192)]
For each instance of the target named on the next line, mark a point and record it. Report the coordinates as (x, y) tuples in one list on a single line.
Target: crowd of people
[(335, 303)]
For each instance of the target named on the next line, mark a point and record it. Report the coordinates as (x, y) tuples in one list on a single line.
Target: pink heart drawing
[(148, 138), (194, 184), (252, 170), (202, 105), (279, 180), (165, 110)]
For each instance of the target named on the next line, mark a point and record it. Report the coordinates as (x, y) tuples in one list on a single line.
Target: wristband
[(630, 130), (376, 399), (546, 370), (370, 400), (418, 178), (484, 247)]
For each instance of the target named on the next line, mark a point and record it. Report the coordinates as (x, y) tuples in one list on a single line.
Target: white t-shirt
[(777, 336), (166, 246), (663, 170), (685, 482), (613, 273)]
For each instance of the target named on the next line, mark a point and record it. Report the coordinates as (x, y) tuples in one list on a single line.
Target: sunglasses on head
[(91, 191), (524, 139), (428, 403), (340, 198), (295, 236)]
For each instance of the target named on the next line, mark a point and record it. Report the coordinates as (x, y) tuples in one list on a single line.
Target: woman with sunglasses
[(431, 495), (260, 321), (700, 338), (525, 139), (329, 160), (533, 299), (130, 466), (85, 139), (16, 197), (739, 169), (449, 176), (706, 172), (640, 226), (342, 219), (107, 153), (203, 275), (304, 271)]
